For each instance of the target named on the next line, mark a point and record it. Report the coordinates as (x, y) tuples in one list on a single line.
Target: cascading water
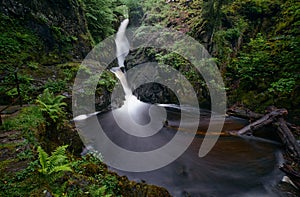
[(134, 115), (122, 43), (123, 47), (234, 167), (189, 174)]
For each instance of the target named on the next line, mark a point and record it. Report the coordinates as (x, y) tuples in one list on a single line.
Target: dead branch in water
[(242, 112), (264, 121), (275, 118)]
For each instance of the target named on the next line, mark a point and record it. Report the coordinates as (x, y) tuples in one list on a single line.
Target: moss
[(17, 44), (5, 164), (11, 146)]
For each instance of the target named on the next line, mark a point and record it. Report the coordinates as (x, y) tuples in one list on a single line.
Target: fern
[(52, 167), (43, 156), (96, 191), (51, 105)]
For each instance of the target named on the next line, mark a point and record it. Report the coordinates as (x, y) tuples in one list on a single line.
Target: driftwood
[(263, 121), (288, 138), (275, 118), (242, 112)]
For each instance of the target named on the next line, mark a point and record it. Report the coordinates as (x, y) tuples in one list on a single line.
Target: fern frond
[(43, 157), (62, 168), (60, 150), (58, 156), (57, 160)]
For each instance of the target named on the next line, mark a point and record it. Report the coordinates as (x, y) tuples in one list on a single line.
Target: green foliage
[(122, 10), (51, 105), (26, 120), (63, 43), (110, 183), (282, 87), (171, 58), (48, 173), (91, 159), (20, 49), (100, 17), (254, 42), (135, 12), (33, 65), (56, 85), (52, 167), (289, 22), (158, 12), (95, 191), (267, 64), (29, 120), (252, 67), (27, 154), (28, 171), (63, 79), (17, 44), (107, 80), (185, 67), (26, 87)]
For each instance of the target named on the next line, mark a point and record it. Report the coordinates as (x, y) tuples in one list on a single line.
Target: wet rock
[(51, 20)]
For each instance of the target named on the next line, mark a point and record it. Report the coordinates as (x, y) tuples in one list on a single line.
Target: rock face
[(60, 25)]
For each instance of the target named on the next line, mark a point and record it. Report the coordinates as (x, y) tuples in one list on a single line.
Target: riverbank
[(19, 165)]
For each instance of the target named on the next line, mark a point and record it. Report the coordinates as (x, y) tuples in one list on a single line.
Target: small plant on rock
[(52, 109), (53, 167)]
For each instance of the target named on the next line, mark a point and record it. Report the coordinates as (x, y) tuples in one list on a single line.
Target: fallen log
[(288, 138), (292, 148), (242, 112), (275, 118), (264, 121), (295, 129)]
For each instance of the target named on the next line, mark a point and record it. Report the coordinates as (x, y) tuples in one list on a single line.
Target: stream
[(234, 167)]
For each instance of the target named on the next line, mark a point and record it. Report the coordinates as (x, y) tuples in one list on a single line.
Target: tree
[(100, 18)]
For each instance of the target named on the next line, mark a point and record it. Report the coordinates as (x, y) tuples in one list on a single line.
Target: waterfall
[(122, 43), (121, 76), (134, 117), (122, 50)]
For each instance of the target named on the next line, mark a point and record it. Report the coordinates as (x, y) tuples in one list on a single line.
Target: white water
[(134, 117), (122, 43), (219, 174), (122, 50), (121, 76)]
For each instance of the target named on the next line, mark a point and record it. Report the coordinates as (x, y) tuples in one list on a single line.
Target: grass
[(29, 118)]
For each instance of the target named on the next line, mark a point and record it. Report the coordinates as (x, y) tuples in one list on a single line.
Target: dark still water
[(234, 167)]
